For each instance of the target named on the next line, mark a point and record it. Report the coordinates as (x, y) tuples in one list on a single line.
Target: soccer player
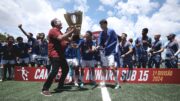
[(125, 48), (142, 43), (97, 60), (155, 52), (9, 52), (23, 52), (41, 48), (87, 47), (32, 42), (171, 59), (107, 41), (72, 56), (56, 48)]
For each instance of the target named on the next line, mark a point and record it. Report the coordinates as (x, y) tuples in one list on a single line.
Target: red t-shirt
[(53, 34)]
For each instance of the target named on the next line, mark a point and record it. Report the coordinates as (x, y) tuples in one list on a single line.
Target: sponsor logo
[(41, 74), (24, 73)]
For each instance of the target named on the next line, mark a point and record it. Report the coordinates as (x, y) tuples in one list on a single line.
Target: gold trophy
[(74, 20)]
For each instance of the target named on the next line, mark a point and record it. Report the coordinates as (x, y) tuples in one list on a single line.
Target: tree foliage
[(3, 36)]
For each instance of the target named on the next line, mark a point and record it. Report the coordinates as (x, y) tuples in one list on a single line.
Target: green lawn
[(30, 91)]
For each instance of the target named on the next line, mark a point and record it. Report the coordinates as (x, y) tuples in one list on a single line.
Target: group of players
[(16, 52), (109, 50)]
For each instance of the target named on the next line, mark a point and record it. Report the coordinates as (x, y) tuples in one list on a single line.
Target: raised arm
[(25, 33)]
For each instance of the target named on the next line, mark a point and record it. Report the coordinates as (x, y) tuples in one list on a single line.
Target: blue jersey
[(71, 52), (22, 50), (108, 41), (32, 42), (41, 48), (86, 49)]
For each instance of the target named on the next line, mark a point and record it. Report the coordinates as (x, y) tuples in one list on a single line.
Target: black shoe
[(81, 85)]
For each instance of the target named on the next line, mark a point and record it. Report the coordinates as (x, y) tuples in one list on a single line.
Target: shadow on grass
[(70, 88)]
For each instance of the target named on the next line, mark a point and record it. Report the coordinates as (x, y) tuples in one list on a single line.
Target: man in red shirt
[(56, 47)]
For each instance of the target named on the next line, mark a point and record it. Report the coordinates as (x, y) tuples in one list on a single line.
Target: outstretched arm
[(25, 33)]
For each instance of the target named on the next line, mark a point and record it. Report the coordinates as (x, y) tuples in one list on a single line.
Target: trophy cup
[(74, 20)]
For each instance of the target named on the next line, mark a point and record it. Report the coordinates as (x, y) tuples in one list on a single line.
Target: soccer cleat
[(76, 84), (94, 84), (46, 93), (101, 84), (81, 85)]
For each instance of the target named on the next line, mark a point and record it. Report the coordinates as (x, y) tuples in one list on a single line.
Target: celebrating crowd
[(72, 52)]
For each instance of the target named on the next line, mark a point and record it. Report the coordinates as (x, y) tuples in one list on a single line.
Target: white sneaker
[(76, 84), (70, 80), (117, 86), (1, 80), (102, 84)]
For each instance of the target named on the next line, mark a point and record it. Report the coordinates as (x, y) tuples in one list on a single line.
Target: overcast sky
[(129, 16)]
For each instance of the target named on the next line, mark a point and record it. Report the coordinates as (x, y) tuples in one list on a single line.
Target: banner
[(125, 75)]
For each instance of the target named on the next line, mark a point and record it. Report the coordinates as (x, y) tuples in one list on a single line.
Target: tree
[(3, 36)]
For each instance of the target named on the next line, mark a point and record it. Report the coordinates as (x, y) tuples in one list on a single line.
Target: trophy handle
[(74, 20)]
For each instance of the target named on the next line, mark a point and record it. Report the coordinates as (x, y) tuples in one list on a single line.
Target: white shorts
[(87, 63), (12, 62), (25, 60), (42, 60), (95, 62), (108, 61), (46, 59), (73, 62), (33, 57)]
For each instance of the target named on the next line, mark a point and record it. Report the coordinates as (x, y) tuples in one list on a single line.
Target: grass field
[(30, 91)]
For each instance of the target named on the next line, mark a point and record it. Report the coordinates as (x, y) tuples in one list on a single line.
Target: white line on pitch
[(105, 94)]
